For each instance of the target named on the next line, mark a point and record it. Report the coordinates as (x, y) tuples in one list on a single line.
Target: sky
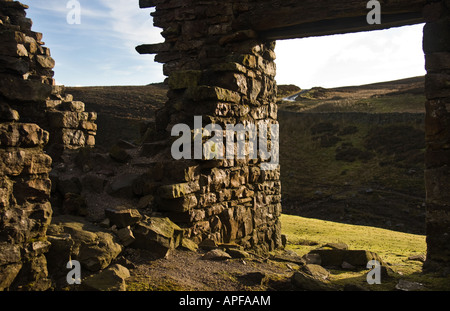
[(100, 49)]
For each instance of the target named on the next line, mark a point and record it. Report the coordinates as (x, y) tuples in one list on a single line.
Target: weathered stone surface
[(30, 162), (237, 253), (216, 254), (23, 90), (126, 236), (316, 271), (8, 274), (157, 235), (94, 247), (184, 79), (335, 257), (111, 279), (177, 190), (189, 245), (9, 253), (22, 135), (308, 282), (204, 93), (45, 61), (123, 217)]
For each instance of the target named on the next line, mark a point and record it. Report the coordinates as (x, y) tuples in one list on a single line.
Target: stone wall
[(226, 76), (436, 46), (27, 84), (37, 120), (25, 210)]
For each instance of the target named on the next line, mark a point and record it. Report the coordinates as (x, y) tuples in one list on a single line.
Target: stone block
[(335, 257), (157, 235), (22, 135), (9, 253), (45, 61), (176, 191), (437, 85), (74, 106), (88, 126), (189, 245), (63, 119), (71, 137), (436, 36), (126, 236), (15, 88), (123, 217), (111, 279), (184, 79), (94, 247), (205, 93), (179, 205), (230, 66), (15, 163), (437, 183)]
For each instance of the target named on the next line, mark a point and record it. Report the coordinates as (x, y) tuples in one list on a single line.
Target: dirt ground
[(188, 271)]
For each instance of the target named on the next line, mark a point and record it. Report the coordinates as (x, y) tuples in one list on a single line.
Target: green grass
[(393, 247)]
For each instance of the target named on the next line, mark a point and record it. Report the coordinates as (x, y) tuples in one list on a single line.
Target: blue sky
[(100, 50)]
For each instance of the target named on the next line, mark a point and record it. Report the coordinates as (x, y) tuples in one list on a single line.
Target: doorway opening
[(352, 150)]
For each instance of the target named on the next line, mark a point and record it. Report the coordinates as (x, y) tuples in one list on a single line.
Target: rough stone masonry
[(37, 120), (226, 77)]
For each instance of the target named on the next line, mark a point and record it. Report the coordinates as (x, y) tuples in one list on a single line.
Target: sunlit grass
[(393, 247)]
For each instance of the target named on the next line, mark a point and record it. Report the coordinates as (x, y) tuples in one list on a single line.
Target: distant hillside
[(405, 95), (120, 109)]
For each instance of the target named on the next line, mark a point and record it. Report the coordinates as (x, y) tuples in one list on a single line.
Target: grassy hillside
[(356, 154), (353, 171), (406, 95), (395, 248)]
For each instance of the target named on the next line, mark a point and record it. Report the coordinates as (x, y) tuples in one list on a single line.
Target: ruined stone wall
[(226, 76), (37, 119), (27, 84), (436, 46)]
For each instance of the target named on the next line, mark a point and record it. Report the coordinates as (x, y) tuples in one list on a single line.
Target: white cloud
[(130, 24)]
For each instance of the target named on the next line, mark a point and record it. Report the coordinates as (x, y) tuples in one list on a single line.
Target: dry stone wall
[(37, 120), (27, 85)]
